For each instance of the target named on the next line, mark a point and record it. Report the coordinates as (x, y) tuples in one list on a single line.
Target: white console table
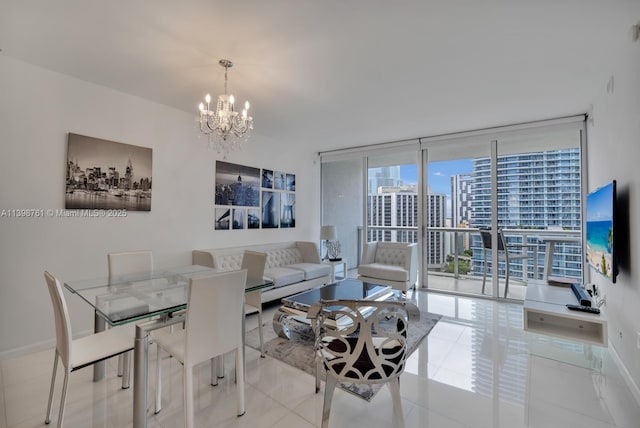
[(545, 313)]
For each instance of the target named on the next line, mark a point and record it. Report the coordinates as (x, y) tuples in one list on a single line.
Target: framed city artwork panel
[(237, 185), (287, 209), (270, 209), (103, 174)]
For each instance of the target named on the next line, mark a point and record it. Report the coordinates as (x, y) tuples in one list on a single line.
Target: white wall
[(37, 110), (614, 153)]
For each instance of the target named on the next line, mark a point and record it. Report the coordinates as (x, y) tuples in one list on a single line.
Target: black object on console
[(582, 297), (588, 309)]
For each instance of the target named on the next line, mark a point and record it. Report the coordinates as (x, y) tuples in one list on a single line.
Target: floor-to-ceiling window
[(371, 195), (523, 183), (454, 202), (539, 198), (392, 210)]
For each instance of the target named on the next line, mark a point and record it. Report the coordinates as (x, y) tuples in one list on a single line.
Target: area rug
[(298, 352)]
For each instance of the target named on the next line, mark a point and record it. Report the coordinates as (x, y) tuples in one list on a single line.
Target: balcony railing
[(552, 252)]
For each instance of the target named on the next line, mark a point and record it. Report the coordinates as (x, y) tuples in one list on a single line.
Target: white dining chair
[(78, 353), (254, 263), (127, 263), (213, 327)]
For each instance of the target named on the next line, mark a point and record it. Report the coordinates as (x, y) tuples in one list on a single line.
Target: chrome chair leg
[(63, 398), (47, 419), (261, 334), (158, 405), (120, 365), (126, 369), (398, 417), (220, 367), (506, 281), (214, 371), (329, 388), (484, 278), (188, 397), (318, 373), (240, 380)]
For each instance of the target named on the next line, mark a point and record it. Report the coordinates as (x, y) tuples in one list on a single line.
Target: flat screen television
[(601, 225)]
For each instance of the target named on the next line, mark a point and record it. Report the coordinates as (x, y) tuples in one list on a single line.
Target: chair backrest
[(369, 252), (389, 253), (128, 262), (392, 253), (254, 263), (214, 315), (485, 234), (61, 314), (372, 349)]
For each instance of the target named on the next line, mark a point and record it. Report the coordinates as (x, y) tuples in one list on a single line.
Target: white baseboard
[(29, 349), (633, 386), (34, 347)]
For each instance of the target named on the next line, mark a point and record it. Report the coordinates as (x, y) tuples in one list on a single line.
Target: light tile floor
[(477, 368)]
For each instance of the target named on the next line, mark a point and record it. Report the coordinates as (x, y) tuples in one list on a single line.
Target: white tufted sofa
[(293, 266), (390, 263)]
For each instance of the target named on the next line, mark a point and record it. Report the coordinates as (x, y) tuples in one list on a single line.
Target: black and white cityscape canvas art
[(253, 218), (291, 182), (267, 178), (253, 198), (270, 209), (237, 185), (103, 174), (222, 218), (238, 218), (287, 209), (279, 180)]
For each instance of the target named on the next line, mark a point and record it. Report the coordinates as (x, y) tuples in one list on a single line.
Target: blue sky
[(600, 204), (439, 174)]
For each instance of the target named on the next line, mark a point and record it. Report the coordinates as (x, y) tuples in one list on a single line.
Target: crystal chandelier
[(224, 127)]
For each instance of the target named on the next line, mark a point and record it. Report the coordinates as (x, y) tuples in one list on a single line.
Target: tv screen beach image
[(600, 230)]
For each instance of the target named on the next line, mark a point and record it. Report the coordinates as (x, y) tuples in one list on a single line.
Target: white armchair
[(390, 263)]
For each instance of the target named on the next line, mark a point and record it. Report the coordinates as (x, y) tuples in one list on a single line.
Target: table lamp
[(328, 233)]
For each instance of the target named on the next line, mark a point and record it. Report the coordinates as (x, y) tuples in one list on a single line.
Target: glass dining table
[(152, 300)]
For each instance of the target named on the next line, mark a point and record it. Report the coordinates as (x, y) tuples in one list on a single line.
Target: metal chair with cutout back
[(369, 348)]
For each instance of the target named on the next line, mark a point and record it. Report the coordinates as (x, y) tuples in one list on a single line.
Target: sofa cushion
[(282, 276), (384, 271), (311, 270), (283, 257)]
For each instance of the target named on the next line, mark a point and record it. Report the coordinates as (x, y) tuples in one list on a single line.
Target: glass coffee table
[(294, 308)]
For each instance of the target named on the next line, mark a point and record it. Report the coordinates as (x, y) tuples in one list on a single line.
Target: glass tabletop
[(123, 299), (349, 289)]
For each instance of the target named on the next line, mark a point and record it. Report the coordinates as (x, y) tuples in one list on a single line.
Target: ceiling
[(332, 73)]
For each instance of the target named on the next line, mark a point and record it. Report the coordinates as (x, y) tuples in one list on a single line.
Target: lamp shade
[(328, 233)]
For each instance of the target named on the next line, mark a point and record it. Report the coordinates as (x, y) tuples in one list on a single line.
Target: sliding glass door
[(539, 203), (454, 203), (392, 204), (521, 188), (371, 197)]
